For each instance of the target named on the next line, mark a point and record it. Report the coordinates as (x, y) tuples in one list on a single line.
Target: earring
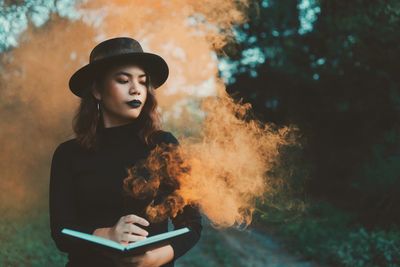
[(98, 109)]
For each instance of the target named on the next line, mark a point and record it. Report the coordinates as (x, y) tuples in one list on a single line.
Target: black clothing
[(86, 192)]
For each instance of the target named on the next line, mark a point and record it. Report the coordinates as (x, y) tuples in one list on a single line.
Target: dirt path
[(251, 248)]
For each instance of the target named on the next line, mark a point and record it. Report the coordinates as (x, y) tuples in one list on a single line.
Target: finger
[(132, 218), (124, 243), (132, 238), (134, 229)]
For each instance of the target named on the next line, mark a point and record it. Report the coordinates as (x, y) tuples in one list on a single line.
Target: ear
[(96, 93)]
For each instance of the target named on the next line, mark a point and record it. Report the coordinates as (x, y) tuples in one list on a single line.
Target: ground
[(237, 248)]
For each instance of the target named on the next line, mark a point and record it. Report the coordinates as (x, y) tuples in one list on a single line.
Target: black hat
[(111, 51)]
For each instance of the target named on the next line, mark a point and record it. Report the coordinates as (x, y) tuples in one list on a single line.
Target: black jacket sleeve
[(189, 217), (62, 201)]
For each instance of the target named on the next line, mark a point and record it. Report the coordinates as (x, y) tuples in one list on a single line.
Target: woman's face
[(122, 94)]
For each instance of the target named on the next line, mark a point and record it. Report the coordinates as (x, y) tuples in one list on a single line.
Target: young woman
[(116, 127)]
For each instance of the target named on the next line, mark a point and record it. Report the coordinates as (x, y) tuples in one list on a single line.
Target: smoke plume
[(222, 168), (223, 171)]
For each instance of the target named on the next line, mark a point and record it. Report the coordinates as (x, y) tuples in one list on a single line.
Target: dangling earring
[(98, 109)]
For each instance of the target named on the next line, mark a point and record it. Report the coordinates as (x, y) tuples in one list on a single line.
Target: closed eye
[(123, 81)]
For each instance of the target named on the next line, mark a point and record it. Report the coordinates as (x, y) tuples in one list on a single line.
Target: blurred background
[(329, 68)]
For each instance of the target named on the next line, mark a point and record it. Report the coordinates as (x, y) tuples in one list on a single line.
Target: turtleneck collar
[(119, 134)]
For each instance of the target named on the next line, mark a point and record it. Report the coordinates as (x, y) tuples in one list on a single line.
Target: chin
[(134, 114)]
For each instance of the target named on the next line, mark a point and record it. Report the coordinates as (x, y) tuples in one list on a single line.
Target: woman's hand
[(125, 231)]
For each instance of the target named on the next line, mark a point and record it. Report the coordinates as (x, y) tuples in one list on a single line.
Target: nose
[(133, 89)]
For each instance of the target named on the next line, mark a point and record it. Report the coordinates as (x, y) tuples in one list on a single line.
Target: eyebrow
[(128, 74)]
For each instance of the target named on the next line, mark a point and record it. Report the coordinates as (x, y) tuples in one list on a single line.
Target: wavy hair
[(88, 119)]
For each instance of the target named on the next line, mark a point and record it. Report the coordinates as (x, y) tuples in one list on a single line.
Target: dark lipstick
[(134, 103)]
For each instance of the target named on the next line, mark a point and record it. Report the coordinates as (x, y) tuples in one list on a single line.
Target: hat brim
[(154, 65)]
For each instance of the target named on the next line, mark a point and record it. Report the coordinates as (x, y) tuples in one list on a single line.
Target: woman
[(116, 127)]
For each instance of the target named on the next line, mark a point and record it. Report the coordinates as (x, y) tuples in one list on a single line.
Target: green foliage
[(375, 248), (15, 17), (382, 172), (313, 231), (26, 242), (329, 236), (339, 85)]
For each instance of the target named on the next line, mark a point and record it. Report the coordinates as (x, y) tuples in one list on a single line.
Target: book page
[(95, 239), (156, 238)]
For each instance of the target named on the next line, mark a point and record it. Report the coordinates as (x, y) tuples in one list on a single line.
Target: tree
[(339, 83)]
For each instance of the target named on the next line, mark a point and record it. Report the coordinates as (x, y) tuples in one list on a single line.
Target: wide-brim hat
[(114, 51)]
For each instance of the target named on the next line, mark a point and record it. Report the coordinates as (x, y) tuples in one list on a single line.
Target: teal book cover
[(135, 248)]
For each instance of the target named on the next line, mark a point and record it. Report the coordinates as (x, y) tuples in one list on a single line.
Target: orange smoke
[(36, 107), (223, 172)]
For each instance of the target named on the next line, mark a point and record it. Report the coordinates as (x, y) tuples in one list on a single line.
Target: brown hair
[(88, 119)]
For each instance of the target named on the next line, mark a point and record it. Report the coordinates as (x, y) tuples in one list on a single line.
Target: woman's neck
[(110, 121), (121, 134)]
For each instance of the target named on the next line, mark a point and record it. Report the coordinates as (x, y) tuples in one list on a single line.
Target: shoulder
[(164, 137), (66, 148)]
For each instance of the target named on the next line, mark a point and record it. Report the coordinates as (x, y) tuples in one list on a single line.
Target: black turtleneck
[(86, 192)]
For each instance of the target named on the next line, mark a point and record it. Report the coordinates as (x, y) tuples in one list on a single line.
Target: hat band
[(120, 52)]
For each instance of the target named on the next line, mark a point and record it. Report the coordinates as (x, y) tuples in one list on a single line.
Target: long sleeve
[(62, 200), (189, 217), (86, 192)]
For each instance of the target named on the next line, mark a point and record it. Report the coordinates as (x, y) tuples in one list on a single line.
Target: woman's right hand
[(125, 230)]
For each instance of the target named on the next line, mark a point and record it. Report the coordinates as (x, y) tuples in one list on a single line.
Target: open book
[(135, 248)]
